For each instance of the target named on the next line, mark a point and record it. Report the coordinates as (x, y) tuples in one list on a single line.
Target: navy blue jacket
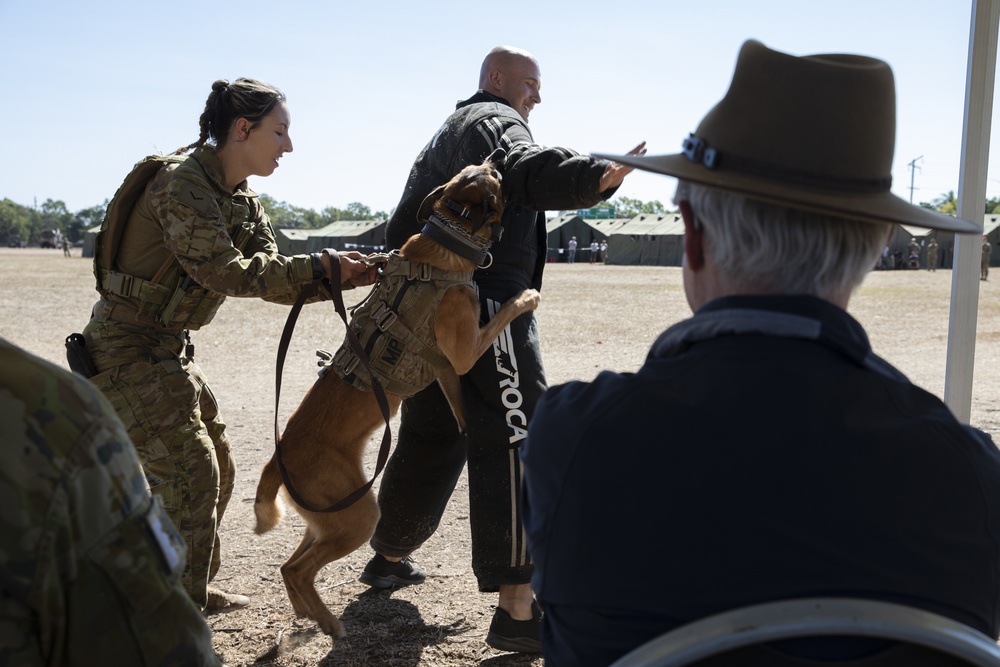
[(762, 452)]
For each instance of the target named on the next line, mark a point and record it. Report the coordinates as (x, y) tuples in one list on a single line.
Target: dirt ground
[(592, 317)]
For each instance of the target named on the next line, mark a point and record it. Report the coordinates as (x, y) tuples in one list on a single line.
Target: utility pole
[(913, 169)]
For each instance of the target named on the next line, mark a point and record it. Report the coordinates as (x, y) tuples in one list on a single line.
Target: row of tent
[(905, 234), (648, 239), (658, 240), (644, 239), (365, 236)]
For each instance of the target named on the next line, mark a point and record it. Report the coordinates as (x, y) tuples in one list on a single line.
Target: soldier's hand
[(355, 270)]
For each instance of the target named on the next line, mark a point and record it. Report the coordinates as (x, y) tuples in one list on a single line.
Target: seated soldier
[(89, 565)]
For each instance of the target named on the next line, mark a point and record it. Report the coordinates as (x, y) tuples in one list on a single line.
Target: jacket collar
[(799, 317), (480, 97), (210, 163)]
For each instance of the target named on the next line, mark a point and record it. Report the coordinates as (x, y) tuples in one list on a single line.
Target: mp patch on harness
[(393, 352)]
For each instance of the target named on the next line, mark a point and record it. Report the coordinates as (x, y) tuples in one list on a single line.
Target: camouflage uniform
[(913, 258), (189, 242), (932, 254), (89, 563), (984, 265)]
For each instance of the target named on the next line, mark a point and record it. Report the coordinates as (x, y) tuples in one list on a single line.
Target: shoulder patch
[(171, 545), (199, 201)]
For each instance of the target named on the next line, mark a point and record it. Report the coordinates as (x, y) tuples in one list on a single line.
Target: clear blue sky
[(91, 87)]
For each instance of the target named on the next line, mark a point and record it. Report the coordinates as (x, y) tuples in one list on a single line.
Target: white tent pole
[(971, 195)]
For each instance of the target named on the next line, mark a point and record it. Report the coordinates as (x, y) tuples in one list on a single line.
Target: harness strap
[(421, 271), (125, 285), (396, 263), (380, 397), (403, 287), (388, 320)]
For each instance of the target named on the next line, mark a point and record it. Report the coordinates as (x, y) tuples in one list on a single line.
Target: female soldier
[(181, 234)]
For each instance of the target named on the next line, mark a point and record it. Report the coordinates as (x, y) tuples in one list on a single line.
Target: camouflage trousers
[(173, 419)]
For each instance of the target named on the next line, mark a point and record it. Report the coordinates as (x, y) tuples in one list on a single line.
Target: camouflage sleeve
[(89, 564), (264, 241), (200, 234)]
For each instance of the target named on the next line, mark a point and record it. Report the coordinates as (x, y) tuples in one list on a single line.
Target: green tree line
[(626, 207), (948, 203), (25, 223)]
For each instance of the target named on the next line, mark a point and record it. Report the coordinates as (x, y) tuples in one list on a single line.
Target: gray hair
[(774, 249)]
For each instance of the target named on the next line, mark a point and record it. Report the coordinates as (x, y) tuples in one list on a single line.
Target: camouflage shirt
[(188, 225), (89, 563)]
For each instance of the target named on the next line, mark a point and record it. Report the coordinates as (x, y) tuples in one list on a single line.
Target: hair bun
[(220, 85)]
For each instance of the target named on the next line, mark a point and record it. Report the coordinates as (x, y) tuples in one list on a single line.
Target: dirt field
[(591, 318)]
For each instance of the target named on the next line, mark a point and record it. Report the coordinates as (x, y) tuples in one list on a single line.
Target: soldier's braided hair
[(243, 98)]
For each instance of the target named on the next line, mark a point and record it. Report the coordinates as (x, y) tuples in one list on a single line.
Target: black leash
[(355, 345)]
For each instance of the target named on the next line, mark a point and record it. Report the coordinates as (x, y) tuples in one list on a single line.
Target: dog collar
[(455, 239)]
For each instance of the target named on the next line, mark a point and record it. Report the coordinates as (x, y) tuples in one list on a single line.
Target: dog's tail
[(267, 507)]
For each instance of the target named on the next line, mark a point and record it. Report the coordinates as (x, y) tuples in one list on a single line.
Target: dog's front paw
[(527, 300)]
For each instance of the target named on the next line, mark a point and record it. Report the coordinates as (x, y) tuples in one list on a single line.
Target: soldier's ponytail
[(243, 98)]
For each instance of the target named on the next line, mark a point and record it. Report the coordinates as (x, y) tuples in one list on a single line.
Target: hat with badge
[(812, 132)]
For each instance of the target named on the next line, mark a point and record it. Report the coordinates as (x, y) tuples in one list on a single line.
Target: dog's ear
[(497, 158), (427, 205)]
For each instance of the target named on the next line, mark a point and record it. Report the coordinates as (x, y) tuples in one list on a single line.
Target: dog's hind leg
[(298, 605), (333, 536)]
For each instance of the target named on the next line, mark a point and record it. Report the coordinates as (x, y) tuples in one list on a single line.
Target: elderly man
[(763, 451)]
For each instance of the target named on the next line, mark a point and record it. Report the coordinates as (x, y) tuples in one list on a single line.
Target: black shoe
[(382, 573), (506, 634)]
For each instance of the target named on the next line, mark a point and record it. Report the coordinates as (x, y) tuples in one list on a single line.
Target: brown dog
[(324, 441)]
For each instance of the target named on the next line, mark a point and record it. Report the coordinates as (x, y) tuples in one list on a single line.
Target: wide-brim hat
[(813, 132)]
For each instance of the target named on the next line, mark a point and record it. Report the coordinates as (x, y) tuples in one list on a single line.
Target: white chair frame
[(813, 617)]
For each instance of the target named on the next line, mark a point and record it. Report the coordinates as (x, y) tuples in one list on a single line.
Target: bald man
[(500, 392)]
